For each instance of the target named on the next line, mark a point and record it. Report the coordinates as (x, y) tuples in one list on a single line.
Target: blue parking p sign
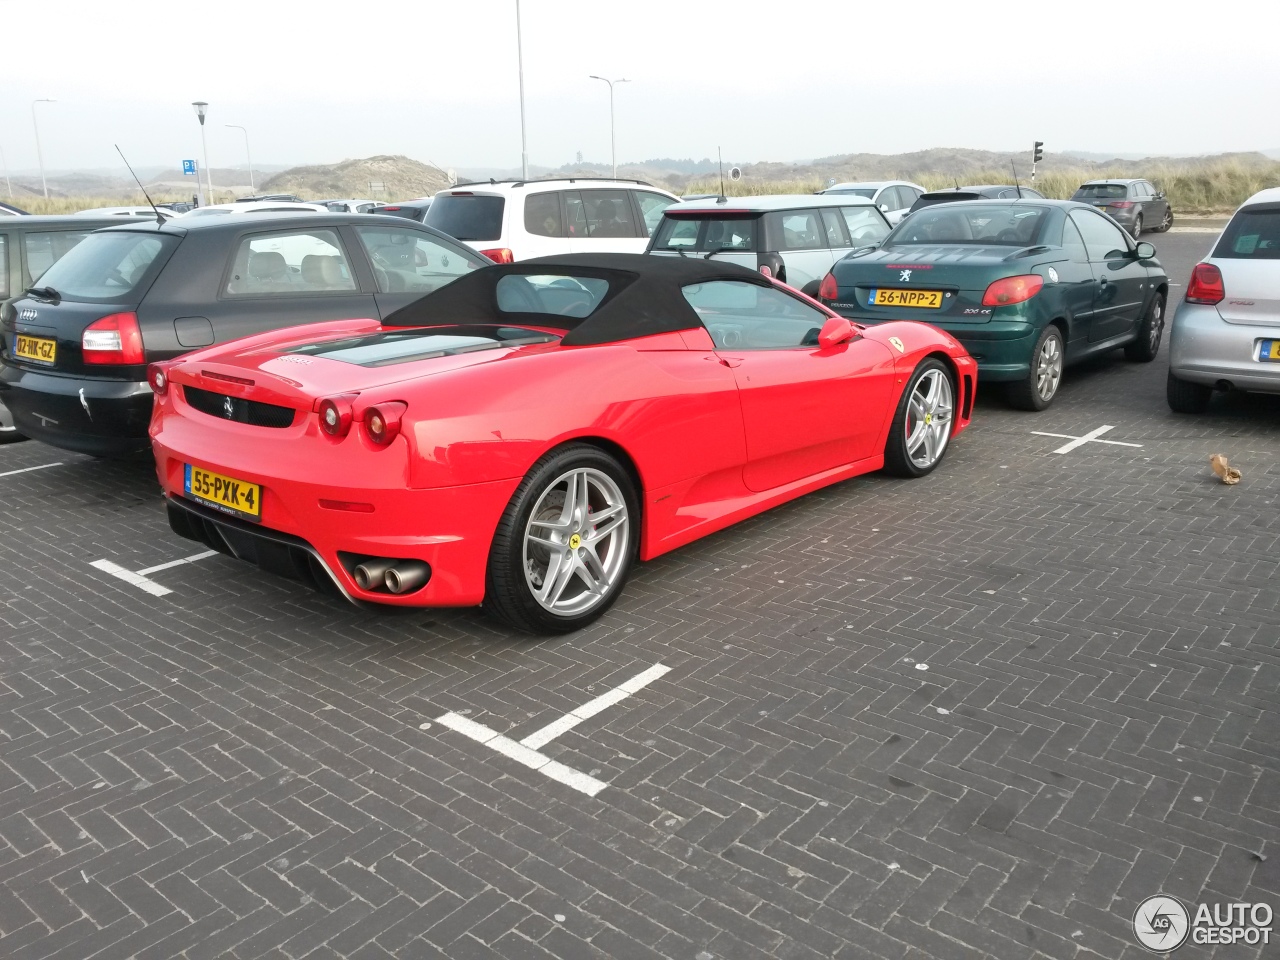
[(188, 168)]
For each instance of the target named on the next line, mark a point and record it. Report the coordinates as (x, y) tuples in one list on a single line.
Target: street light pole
[(201, 109), (237, 126), (613, 142), (39, 153), (524, 143)]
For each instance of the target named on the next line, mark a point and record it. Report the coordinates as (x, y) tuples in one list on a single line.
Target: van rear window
[(466, 217), (1252, 234)]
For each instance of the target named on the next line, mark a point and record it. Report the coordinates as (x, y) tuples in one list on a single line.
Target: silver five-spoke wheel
[(576, 542), (1048, 368), (929, 412)]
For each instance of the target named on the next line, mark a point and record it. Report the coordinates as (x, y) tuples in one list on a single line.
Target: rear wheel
[(922, 423), (1166, 221), (1147, 345), (1137, 227), (1187, 397), (8, 432), (566, 543), (1037, 390)]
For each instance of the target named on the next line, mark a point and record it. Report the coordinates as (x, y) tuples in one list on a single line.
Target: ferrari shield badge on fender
[(897, 345)]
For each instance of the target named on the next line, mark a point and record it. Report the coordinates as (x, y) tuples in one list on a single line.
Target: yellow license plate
[(1269, 350), (39, 349), (927, 299), (226, 493)]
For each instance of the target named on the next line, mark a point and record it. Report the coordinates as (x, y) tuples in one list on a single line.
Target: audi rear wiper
[(45, 293)]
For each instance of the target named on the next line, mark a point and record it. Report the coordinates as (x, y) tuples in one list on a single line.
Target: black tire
[(1187, 397), (810, 289), (508, 594), (897, 456), (1147, 345), (8, 432), (1166, 221), (1027, 393), (1136, 232)]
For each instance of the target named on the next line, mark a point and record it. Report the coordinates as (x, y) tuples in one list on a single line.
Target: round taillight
[(335, 416), (382, 422), (377, 425), (158, 379)]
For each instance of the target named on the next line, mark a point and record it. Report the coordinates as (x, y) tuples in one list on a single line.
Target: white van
[(794, 238), (509, 220)]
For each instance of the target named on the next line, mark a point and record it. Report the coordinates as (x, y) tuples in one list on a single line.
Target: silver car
[(893, 197), (1227, 331)]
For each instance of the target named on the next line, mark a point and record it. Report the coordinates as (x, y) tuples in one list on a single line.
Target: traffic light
[(1037, 152)]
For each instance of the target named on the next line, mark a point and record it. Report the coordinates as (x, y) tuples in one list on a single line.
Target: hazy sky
[(318, 81)]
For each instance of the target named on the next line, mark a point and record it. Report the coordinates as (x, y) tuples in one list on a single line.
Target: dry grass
[(59, 205), (1217, 187)]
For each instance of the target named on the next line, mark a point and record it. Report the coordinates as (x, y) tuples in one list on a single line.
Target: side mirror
[(835, 332), (884, 208), (1146, 251)]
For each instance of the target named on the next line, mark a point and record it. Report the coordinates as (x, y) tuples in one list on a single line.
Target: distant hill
[(401, 178)]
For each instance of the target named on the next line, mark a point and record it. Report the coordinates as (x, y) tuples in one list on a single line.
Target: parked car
[(410, 209), (239, 208), (793, 238), (893, 197), (73, 351), (512, 220), (1135, 204), (30, 245), (260, 198), (137, 212), (1027, 287), (177, 206), (9, 210), (986, 191), (1227, 331), (350, 206), (432, 459)]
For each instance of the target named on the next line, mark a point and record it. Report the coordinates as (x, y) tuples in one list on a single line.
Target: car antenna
[(1015, 177), (159, 219), (722, 198)]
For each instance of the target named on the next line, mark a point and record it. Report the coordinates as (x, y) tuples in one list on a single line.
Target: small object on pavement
[(1226, 473)]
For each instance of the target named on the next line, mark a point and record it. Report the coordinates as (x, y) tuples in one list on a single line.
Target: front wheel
[(922, 423), (1145, 348), (1166, 221), (565, 544), (1037, 390)]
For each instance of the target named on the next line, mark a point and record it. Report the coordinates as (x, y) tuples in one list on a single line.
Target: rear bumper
[(1204, 348), (105, 418)]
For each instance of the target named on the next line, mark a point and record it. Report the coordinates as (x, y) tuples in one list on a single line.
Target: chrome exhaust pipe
[(406, 576), (371, 575)]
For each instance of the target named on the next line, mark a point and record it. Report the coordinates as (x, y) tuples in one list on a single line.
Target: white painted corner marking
[(140, 578), (540, 738), (1090, 437)]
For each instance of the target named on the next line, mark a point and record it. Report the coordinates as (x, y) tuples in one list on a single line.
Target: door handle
[(724, 361)]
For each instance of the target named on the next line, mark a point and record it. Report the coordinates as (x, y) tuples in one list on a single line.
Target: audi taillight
[(499, 254), (382, 422), (1122, 204), (113, 339), (1206, 285), (828, 289), (158, 377), (335, 415), (1011, 290)]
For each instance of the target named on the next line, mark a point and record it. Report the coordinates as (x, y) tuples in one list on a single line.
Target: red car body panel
[(712, 436)]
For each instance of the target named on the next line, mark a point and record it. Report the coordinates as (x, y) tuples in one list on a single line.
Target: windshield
[(1252, 234), (109, 267), (467, 217), (1101, 191), (1002, 224), (708, 234)]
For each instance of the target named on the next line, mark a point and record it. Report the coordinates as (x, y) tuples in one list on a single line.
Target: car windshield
[(867, 192), (708, 233), (1101, 191), (467, 217), (1003, 224), (108, 267), (1252, 234)]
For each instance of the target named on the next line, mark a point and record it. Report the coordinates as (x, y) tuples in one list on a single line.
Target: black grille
[(252, 412)]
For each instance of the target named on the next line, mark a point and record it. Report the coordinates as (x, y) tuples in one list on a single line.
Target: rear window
[(1252, 234), (467, 217), (556, 294), (1003, 224), (929, 199), (707, 234), (1101, 191), (387, 349), (47, 248), (109, 267)]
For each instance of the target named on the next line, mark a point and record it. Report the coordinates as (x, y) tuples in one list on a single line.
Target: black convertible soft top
[(644, 296)]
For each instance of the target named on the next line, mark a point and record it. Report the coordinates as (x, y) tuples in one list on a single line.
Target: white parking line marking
[(526, 752), (589, 709), (140, 578), (1090, 437), (43, 466), (176, 563)]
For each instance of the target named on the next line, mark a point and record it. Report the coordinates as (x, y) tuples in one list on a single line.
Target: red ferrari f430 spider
[(518, 438)]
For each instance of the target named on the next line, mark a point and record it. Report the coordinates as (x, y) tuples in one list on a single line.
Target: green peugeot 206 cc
[(1027, 286)]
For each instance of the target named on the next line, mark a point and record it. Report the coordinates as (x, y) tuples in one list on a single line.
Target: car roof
[(251, 206), (1117, 180), (644, 296), (764, 204), (180, 226), (1015, 201), (870, 184), (70, 220)]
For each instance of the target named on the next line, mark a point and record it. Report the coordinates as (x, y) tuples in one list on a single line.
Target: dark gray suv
[(1135, 204)]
